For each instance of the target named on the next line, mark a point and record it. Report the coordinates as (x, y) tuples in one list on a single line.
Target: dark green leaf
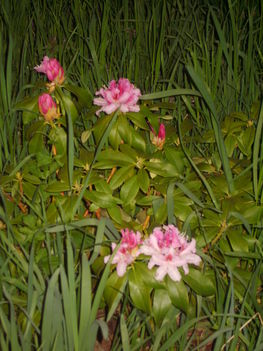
[(143, 180), (178, 294), (139, 292), (201, 283), (161, 305), (129, 190)]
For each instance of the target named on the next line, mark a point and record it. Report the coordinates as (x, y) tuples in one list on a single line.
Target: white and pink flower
[(169, 250), (121, 95), (127, 252)]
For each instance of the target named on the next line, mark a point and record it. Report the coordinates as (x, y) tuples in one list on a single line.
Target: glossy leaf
[(113, 158), (162, 168), (178, 294), (121, 176), (139, 292), (129, 190), (83, 95), (138, 119), (29, 106), (138, 142), (161, 305), (201, 283), (143, 180), (101, 199)]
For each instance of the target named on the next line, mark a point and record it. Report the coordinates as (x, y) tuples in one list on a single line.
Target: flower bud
[(161, 133), (52, 69), (47, 107), (159, 140)]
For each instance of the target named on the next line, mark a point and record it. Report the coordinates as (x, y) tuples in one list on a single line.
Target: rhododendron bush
[(112, 173), (126, 181)]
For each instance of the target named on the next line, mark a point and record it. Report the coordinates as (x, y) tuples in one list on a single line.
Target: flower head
[(159, 140), (52, 69), (122, 95), (127, 251), (169, 250), (47, 107)]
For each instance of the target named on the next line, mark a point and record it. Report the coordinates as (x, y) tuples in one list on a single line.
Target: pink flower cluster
[(169, 250), (127, 251), (52, 69), (167, 247), (122, 95)]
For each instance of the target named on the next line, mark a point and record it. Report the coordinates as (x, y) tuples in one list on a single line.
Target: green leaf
[(31, 178), (83, 95), (201, 283), (113, 292), (138, 142), (125, 129), (148, 275), (129, 190), (161, 305), (29, 106), (172, 92), (36, 144), (124, 334), (85, 299), (101, 199), (100, 126), (143, 180), (57, 187), (114, 137), (147, 200), (176, 158), (139, 292), (121, 176), (69, 106), (58, 137), (102, 186), (160, 213), (178, 294), (230, 143), (237, 240), (138, 118), (115, 213), (129, 151), (162, 168), (113, 158)]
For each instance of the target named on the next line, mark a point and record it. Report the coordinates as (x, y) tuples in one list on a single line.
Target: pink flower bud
[(159, 140), (52, 69), (161, 134), (47, 107)]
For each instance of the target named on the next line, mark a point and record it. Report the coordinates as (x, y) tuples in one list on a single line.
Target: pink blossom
[(52, 69), (169, 250), (122, 95), (127, 251), (159, 140), (47, 107)]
